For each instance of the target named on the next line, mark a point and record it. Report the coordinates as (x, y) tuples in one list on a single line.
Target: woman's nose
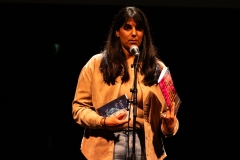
[(134, 32)]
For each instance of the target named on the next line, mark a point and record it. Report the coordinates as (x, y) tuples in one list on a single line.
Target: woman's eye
[(127, 27), (139, 28)]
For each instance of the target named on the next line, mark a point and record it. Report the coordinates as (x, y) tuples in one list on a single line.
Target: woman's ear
[(117, 33)]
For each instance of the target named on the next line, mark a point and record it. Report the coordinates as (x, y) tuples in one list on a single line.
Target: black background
[(200, 44)]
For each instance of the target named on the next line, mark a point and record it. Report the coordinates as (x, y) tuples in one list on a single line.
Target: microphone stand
[(134, 91)]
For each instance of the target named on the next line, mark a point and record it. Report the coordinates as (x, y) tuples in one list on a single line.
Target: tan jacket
[(92, 93)]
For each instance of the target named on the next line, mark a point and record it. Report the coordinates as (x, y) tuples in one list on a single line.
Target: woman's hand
[(170, 120), (114, 120)]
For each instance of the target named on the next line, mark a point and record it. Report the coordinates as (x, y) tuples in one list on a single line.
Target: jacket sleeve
[(83, 110)]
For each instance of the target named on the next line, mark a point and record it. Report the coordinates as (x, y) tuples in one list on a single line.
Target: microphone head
[(134, 50)]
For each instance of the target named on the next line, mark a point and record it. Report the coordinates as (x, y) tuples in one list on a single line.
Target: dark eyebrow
[(126, 25)]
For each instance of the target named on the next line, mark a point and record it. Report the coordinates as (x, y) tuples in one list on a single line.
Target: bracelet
[(104, 124)]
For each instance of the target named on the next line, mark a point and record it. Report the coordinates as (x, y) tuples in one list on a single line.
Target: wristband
[(104, 123)]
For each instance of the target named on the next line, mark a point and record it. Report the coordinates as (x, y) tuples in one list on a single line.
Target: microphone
[(134, 50)]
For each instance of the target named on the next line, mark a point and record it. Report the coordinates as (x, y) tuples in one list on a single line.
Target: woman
[(108, 75)]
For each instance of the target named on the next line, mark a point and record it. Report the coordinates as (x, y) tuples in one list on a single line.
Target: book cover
[(167, 87), (115, 107)]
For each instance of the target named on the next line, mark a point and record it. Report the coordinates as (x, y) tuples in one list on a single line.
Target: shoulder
[(95, 60), (92, 63), (96, 57)]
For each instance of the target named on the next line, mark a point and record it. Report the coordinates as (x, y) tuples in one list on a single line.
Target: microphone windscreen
[(134, 50)]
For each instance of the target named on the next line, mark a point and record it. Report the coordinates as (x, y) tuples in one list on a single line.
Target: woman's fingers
[(170, 111), (170, 119), (173, 109), (121, 115), (116, 120), (121, 118)]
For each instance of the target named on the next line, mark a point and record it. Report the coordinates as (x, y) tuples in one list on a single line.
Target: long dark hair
[(114, 64)]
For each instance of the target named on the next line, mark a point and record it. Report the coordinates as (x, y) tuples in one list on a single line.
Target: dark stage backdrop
[(162, 3), (199, 44)]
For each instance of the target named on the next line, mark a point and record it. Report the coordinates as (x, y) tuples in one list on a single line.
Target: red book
[(168, 89)]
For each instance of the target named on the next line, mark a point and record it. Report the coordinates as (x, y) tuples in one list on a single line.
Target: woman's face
[(130, 34)]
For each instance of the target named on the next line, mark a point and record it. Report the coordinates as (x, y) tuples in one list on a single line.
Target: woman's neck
[(130, 60)]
